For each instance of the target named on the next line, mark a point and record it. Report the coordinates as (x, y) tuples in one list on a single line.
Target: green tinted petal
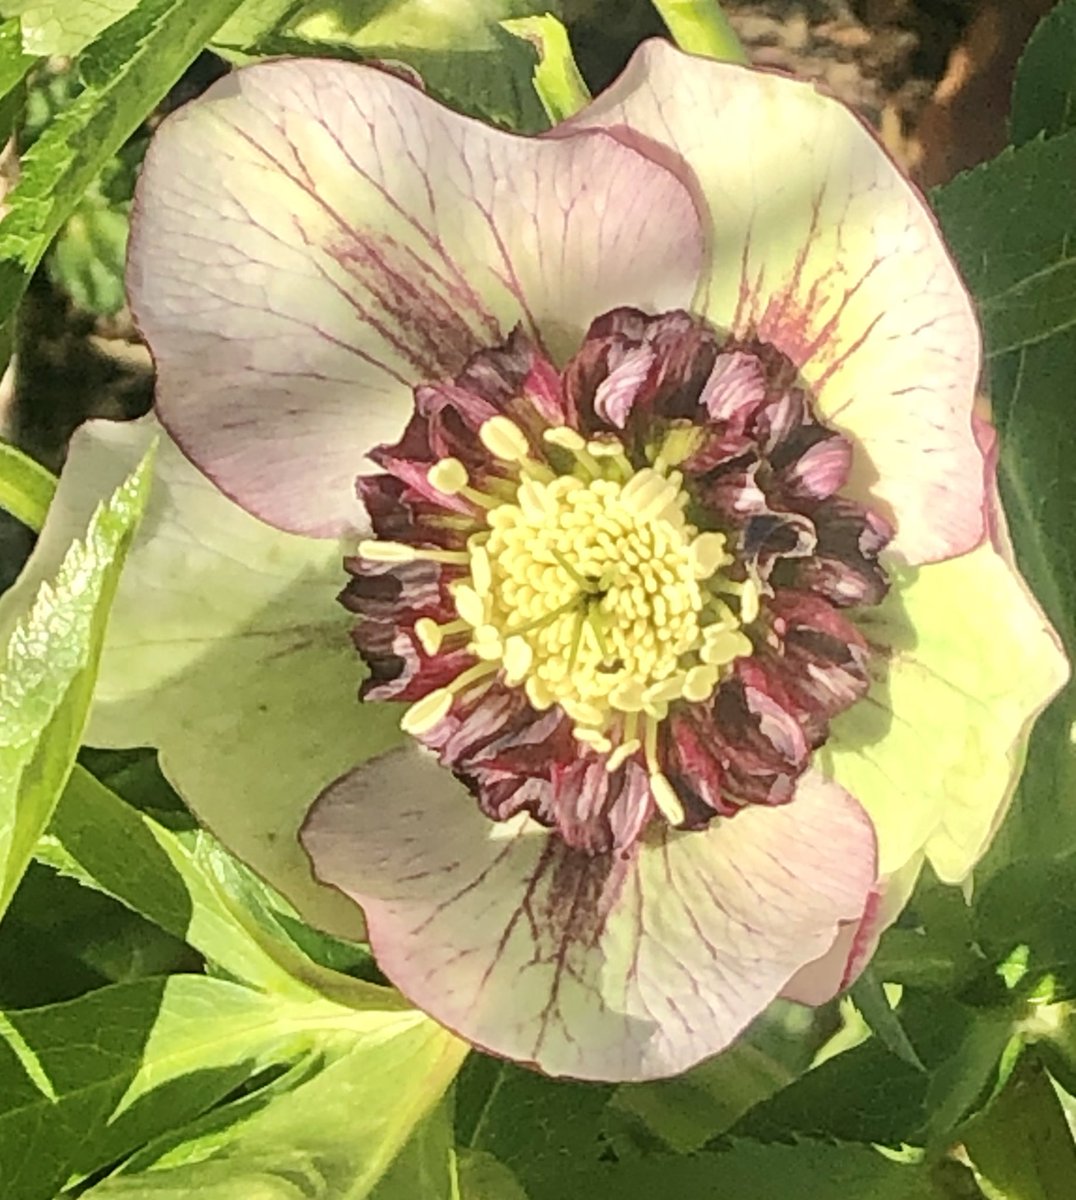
[(934, 752), (227, 651)]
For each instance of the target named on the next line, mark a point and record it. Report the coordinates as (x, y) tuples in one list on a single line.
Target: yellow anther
[(721, 646), (666, 799), (699, 683), (709, 552), (469, 604), (622, 753), (449, 476), (387, 552), (664, 692), (565, 438), (518, 658), (481, 572), (538, 693), (586, 590), (592, 737), (749, 601), (505, 439), (401, 552), (429, 634), (424, 714), (581, 712)]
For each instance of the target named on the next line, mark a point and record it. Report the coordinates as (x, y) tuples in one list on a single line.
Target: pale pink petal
[(826, 251), (856, 942), (311, 239), (624, 967)]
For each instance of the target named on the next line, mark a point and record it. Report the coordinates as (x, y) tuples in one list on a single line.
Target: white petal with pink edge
[(311, 239), (821, 247), (622, 967), (226, 651)]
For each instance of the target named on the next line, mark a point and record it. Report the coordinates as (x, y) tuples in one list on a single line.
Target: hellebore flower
[(650, 445)]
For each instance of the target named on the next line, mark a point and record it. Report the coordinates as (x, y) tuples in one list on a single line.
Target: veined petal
[(628, 965), (856, 942), (935, 749), (226, 652), (822, 248), (311, 239)]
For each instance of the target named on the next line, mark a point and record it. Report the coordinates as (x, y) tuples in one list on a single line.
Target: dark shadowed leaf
[(1044, 97)]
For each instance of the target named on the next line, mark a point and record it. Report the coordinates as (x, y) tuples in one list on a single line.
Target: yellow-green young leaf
[(85, 1082), (560, 87), (333, 1137), (47, 673), (63, 26), (26, 488), (13, 62), (425, 1169), (465, 58), (127, 70)]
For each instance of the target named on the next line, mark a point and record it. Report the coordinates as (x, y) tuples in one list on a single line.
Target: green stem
[(700, 27), (557, 80)]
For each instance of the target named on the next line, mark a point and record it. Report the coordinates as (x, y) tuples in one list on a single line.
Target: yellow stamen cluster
[(592, 591)]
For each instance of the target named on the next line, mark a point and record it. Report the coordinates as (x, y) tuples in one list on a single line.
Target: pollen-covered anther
[(593, 592)]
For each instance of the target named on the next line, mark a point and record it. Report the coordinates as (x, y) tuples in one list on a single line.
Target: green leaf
[(13, 62), (464, 57), (686, 1112), (557, 80), (26, 488), (968, 1077), (128, 855), (127, 70), (1010, 912), (864, 1095), (1044, 95), (870, 999), (1022, 1145), (495, 1101), (482, 1177), (813, 1170), (332, 1137), (425, 1169), (700, 27), (48, 671), (1014, 241), (63, 27), (85, 1082), (255, 19), (59, 940), (1014, 245)]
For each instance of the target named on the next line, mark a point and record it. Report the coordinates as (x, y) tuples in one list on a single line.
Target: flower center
[(588, 587), (615, 590)]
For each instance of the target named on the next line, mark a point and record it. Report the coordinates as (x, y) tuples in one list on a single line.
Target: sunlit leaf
[(47, 674)]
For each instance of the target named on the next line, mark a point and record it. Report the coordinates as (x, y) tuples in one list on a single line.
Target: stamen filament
[(574, 443)]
